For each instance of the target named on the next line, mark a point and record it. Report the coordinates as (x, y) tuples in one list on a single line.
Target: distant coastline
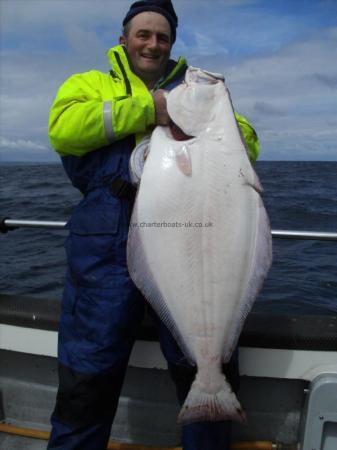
[(29, 163)]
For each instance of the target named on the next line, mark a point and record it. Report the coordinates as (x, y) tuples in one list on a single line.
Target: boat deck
[(9, 442), (148, 407), (272, 391)]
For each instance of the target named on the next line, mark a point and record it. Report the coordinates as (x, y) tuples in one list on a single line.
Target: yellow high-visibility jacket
[(93, 109)]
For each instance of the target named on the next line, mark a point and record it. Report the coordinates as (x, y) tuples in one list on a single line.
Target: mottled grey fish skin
[(202, 247)]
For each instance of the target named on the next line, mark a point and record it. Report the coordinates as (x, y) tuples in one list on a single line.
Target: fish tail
[(201, 405)]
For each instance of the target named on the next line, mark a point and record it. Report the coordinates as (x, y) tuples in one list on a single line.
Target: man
[(95, 122)]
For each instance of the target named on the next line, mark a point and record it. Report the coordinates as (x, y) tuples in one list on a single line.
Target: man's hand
[(159, 99)]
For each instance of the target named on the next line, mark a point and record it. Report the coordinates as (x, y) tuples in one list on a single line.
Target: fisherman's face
[(148, 43)]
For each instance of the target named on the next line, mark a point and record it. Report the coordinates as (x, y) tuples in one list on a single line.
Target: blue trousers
[(101, 313)]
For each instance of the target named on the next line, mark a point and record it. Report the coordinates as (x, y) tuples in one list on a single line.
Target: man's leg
[(90, 438), (97, 331), (198, 435), (201, 435)]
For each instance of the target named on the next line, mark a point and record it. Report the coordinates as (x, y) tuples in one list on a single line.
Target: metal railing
[(9, 224)]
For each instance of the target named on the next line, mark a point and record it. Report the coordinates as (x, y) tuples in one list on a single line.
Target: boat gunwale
[(261, 330)]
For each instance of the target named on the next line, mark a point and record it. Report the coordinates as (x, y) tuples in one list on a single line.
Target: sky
[(279, 59)]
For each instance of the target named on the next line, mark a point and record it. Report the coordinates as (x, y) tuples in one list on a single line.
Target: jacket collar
[(121, 68)]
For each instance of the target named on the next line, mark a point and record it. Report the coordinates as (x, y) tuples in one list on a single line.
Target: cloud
[(281, 94), (326, 80), (204, 43), (25, 150), (268, 109), (84, 42), (21, 144), (20, 15)]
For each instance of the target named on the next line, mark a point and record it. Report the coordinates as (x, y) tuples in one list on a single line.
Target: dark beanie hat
[(163, 7)]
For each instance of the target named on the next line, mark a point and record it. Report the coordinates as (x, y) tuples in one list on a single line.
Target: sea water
[(297, 195)]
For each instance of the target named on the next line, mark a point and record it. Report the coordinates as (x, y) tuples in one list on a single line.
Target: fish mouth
[(178, 134), (196, 75)]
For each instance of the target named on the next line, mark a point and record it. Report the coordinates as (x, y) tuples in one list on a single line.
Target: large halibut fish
[(199, 244)]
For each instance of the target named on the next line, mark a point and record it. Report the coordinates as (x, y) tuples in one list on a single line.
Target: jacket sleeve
[(250, 137), (88, 113)]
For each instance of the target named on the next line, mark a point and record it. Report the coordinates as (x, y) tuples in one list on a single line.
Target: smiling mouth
[(151, 57)]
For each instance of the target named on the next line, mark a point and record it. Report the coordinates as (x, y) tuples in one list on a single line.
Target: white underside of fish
[(199, 244)]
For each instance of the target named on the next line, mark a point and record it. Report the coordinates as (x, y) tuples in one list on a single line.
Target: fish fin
[(260, 267), (183, 160), (202, 406), (254, 182), (141, 274)]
